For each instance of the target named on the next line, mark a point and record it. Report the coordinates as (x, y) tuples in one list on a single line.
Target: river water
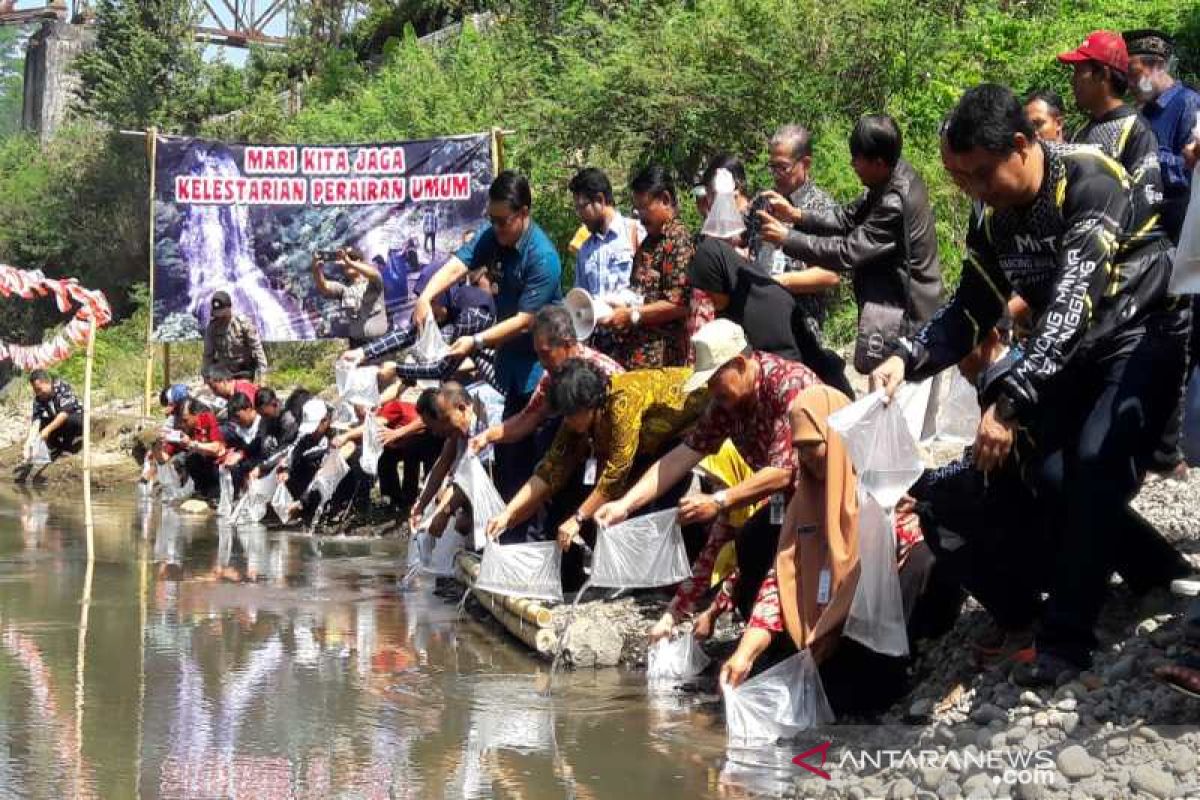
[(195, 661)]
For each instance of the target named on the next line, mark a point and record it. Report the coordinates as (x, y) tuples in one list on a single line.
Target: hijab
[(820, 531)]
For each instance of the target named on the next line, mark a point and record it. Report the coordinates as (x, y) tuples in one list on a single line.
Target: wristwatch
[(478, 340), (721, 499), (579, 518), (635, 316), (1005, 410)]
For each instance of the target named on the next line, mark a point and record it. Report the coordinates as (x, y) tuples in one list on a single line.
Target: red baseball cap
[(1103, 47)]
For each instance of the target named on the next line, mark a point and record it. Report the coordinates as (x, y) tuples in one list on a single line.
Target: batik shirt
[(660, 273), (62, 399), (761, 430)]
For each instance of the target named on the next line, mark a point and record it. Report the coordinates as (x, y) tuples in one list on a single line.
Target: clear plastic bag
[(441, 552), (1185, 274), (777, 704), (881, 446), (430, 346), (372, 448), (225, 504), (173, 488), (281, 503), (36, 451), (330, 474), (640, 553), (958, 413), (522, 570), (344, 416), (361, 387), (472, 479), (675, 659), (876, 617), (258, 498)]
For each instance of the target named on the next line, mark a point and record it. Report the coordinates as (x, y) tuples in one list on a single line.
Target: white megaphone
[(586, 311)]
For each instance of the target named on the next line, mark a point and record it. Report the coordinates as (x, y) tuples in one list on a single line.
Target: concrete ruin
[(50, 83)]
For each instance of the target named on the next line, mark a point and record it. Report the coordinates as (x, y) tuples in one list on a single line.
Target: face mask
[(1145, 87)]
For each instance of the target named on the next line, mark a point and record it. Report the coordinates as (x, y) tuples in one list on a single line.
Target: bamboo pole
[(151, 155), (542, 640), (531, 611)]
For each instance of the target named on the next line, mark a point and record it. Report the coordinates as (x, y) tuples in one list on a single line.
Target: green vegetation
[(615, 85)]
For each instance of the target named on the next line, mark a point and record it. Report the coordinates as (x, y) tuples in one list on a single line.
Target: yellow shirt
[(645, 411)]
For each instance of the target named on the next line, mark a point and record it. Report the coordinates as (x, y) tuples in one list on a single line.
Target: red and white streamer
[(89, 304)]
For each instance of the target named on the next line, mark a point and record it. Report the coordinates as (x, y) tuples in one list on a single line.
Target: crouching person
[(451, 413), (56, 422), (806, 597), (612, 428), (198, 447), (308, 453), (750, 394)]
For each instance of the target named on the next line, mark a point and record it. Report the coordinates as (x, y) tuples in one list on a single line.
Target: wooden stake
[(151, 155)]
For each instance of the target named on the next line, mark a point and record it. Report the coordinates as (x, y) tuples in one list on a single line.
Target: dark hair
[(451, 393), (593, 184), (163, 400), (427, 403), (797, 139), (265, 397), (39, 375), (295, 401), (988, 116), (194, 406), (1118, 81), (653, 180), (1051, 98), (554, 324), (877, 136), (218, 373), (577, 386), (513, 188), (727, 161), (238, 403)]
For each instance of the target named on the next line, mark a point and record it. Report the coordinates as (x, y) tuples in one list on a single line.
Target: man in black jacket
[(885, 239), (1056, 224)]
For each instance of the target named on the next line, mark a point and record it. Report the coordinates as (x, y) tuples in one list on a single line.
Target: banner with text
[(249, 219)]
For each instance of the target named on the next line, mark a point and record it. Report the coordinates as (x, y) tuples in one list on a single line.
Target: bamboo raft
[(528, 620)]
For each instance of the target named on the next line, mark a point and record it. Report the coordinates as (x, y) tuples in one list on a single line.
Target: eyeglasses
[(780, 166)]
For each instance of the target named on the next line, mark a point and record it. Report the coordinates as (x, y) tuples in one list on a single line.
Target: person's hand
[(354, 357), (993, 441), (771, 229), (316, 261), (254, 474), (698, 508), (414, 515), (620, 319), (339, 440), (421, 312), (1191, 153), (613, 513), (483, 439), (906, 505), (888, 376), (437, 525), (463, 346), (566, 533), (702, 626), (735, 670), (779, 206), (233, 457), (663, 628), (498, 525)]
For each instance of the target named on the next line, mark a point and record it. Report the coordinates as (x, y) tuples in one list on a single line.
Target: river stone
[(932, 777), (1067, 704), (902, 789), (1041, 719), (921, 708), (1070, 721), (1153, 781), (856, 793), (1149, 734), (1117, 746), (1075, 763), (594, 645), (976, 782), (949, 790), (1017, 733), (195, 506), (1121, 670), (988, 713), (1031, 698), (1029, 791), (1183, 760)]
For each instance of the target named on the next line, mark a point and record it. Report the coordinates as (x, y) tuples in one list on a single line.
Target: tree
[(12, 78), (146, 68)]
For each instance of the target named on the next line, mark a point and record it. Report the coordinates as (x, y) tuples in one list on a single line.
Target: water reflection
[(248, 662)]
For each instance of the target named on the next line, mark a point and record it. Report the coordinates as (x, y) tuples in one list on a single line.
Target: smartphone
[(327, 255)]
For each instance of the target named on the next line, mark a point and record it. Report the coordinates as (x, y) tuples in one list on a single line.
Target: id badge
[(824, 585), (589, 472), (777, 509), (778, 262)]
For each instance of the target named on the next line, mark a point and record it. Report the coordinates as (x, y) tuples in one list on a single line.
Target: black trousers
[(413, 456), (69, 436), (1104, 419)]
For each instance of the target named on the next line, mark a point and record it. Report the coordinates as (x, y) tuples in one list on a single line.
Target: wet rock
[(1117, 746), (988, 713), (902, 789), (1153, 781), (1029, 791), (1075, 763), (921, 709), (976, 782), (949, 790), (593, 645), (1041, 719), (1017, 733), (1031, 698), (1067, 704), (1070, 721), (1149, 734), (932, 777)]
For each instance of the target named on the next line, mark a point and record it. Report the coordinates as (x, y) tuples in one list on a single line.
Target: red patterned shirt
[(761, 430), (660, 273)]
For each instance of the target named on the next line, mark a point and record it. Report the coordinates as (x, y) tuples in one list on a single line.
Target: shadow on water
[(247, 662)]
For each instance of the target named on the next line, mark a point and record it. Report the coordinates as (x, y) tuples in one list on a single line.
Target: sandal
[(1183, 676), (998, 647)]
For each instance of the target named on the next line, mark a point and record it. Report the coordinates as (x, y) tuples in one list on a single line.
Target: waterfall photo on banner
[(248, 219)]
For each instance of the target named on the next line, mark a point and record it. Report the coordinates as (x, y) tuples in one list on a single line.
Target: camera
[(327, 255)]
